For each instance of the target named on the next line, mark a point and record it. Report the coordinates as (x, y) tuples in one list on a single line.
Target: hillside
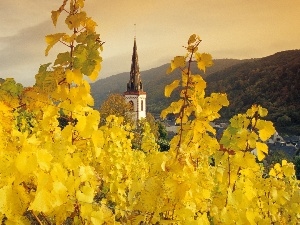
[(273, 82), (154, 81)]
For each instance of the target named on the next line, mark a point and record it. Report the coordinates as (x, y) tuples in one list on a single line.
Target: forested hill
[(273, 82), (154, 81)]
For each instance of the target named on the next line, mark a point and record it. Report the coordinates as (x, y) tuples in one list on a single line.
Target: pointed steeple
[(135, 82), (135, 95)]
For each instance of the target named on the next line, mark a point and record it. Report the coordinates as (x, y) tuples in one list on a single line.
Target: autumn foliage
[(86, 174)]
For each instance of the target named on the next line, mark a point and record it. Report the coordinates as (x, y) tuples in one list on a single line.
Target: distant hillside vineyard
[(272, 81)]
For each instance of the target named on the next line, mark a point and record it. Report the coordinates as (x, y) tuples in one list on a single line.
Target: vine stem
[(185, 99)]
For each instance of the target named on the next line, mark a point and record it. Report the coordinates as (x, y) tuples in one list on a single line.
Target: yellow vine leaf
[(80, 3), (86, 195), (96, 71), (262, 150), (74, 76), (250, 217), (3, 196), (265, 129), (262, 111), (203, 60), (42, 201), (68, 39), (54, 16), (51, 40), (26, 162), (103, 215), (178, 61), (74, 21), (59, 193), (44, 159), (169, 88), (90, 24), (192, 39)]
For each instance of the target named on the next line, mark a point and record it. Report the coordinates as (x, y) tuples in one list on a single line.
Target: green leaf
[(11, 87), (63, 59), (43, 68), (169, 88), (46, 80), (88, 67), (81, 54)]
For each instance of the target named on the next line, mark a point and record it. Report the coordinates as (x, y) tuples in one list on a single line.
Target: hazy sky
[(228, 28)]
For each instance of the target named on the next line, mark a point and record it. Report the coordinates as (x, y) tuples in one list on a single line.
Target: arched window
[(131, 106), (142, 105)]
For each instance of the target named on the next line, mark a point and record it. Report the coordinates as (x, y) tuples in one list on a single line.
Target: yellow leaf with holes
[(262, 150), (169, 88)]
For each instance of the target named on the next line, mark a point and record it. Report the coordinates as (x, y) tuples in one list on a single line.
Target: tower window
[(131, 106), (142, 105)]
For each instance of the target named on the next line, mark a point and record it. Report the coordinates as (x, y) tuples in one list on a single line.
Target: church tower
[(135, 94)]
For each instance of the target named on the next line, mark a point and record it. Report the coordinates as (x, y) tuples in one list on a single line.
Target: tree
[(115, 104), (284, 121), (139, 128), (163, 133), (297, 166), (153, 125)]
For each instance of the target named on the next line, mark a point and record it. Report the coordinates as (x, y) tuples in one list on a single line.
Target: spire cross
[(134, 30)]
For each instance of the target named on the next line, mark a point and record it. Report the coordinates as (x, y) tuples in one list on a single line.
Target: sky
[(237, 29)]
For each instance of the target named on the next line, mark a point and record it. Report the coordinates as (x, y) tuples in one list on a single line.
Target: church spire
[(135, 82), (135, 94)]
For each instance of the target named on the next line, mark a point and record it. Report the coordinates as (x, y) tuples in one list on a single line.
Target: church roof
[(135, 85)]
